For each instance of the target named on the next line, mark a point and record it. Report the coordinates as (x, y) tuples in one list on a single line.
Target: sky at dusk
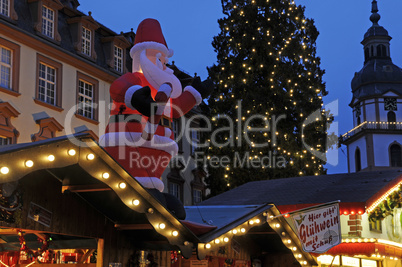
[(189, 27)]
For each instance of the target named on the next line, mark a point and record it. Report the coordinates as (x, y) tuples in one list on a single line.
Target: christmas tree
[(267, 113)]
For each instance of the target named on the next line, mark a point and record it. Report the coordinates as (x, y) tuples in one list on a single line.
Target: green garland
[(387, 206)]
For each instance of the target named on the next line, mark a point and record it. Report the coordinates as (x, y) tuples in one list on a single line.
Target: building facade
[(57, 65), (375, 140)]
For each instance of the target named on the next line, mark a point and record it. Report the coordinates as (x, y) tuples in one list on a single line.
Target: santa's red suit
[(143, 145)]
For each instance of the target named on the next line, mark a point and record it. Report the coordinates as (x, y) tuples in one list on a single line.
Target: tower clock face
[(390, 104)]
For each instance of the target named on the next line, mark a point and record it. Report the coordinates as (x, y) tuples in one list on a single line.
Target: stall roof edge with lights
[(370, 208), (77, 165)]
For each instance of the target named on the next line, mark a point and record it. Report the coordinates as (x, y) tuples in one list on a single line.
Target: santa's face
[(153, 65)]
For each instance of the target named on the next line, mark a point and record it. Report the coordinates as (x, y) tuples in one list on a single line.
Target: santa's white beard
[(156, 76)]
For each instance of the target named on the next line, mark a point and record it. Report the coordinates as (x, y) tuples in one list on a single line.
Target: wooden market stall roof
[(84, 168), (357, 192)]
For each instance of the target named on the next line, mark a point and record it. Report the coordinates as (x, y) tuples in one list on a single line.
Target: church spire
[(375, 17)]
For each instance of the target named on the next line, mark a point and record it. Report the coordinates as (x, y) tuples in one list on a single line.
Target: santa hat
[(149, 36)]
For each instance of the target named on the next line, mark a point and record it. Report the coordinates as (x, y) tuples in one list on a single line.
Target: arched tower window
[(372, 51), (395, 155), (366, 54), (358, 164), (391, 117), (381, 50)]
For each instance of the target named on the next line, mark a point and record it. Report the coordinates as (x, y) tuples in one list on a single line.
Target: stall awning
[(368, 249)]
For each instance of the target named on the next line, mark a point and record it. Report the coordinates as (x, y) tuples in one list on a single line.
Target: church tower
[(375, 142)]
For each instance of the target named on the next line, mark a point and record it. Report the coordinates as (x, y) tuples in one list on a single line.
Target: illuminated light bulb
[(294, 248), (51, 158), (207, 246), (257, 220), (162, 226), (251, 222), (226, 239), (289, 241), (90, 156), (243, 230), (175, 233), (29, 163), (217, 241), (234, 231), (122, 185), (136, 202), (72, 152), (4, 170), (366, 240), (347, 240), (277, 225), (105, 175)]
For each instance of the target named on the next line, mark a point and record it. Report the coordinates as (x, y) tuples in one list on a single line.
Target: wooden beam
[(99, 257), (86, 255), (133, 226), (85, 188)]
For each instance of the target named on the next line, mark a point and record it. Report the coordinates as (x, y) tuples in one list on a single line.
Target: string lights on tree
[(266, 65)]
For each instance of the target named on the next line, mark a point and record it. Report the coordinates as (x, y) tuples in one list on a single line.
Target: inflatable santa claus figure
[(139, 134)]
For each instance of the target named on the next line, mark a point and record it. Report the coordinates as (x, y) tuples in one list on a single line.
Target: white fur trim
[(165, 88), (150, 127), (151, 182), (151, 45), (168, 132), (129, 95), (195, 93), (134, 139)]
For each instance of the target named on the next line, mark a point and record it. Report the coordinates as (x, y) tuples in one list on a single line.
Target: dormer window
[(115, 52), (45, 15), (48, 22), (86, 41), (83, 34), (7, 9), (118, 59)]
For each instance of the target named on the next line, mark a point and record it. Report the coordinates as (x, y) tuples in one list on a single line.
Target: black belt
[(164, 121)]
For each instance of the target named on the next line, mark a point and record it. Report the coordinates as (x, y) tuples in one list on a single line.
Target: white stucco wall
[(361, 143), (381, 143), (25, 104)]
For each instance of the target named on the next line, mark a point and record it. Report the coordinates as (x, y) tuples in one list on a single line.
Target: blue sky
[(189, 27)]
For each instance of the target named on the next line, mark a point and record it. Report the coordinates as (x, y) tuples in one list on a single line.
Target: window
[(178, 136), (45, 18), (5, 141), (86, 41), (381, 51), (118, 59), (47, 84), (366, 54), (197, 196), (175, 183), (391, 117), (9, 67), (358, 165), (5, 7), (375, 226), (195, 139), (114, 48), (6, 67), (83, 35), (175, 190), (48, 21), (395, 155), (48, 92), (87, 98)]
